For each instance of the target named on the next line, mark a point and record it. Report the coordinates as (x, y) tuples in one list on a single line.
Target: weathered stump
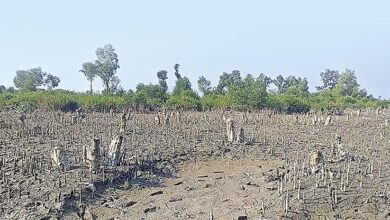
[(92, 155), (22, 119), (114, 150), (358, 112), (240, 135), (123, 123), (316, 161), (230, 131), (328, 120), (74, 119), (157, 120), (59, 159), (166, 119)]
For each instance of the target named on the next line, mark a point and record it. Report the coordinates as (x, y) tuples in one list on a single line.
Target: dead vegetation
[(141, 166)]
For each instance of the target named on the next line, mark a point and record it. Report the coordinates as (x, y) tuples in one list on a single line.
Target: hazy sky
[(207, 38)]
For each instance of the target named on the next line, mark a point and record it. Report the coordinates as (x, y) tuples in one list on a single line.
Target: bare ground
[(185, 169)]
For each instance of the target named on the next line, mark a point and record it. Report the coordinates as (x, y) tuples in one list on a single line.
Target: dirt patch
[(226, 188)]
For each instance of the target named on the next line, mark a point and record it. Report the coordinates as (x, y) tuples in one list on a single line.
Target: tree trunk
[(90, 86), (107, 85)]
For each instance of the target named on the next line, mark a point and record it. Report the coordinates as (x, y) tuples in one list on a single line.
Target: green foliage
[(28, 79), (283, 84), (228, 79), (280, 83), (264, 79), (249, 93), (204, 85), (329, 79), (288, 102), (107, 64), (186, 99), (232, 92), (2, 89), (33, 78), (348, 85), (90, 71), (176, 67), (99, 102), (162, 76), (182, 84), (216, 101), (51, 81), (149, 96)]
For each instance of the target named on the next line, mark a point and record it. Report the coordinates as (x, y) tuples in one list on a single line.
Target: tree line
[(234, 90)]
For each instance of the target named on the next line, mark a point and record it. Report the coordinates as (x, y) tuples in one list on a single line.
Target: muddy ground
[(183, 166)]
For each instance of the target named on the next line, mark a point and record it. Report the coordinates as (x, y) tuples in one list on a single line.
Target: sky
[(301, 38)]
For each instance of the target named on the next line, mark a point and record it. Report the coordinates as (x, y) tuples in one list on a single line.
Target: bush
[(241, 97), (187, 99)]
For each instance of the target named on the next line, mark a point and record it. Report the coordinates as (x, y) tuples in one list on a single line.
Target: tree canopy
[(204, 85), (233, 90), (162, 76), (107, 64), (329, 79), (33, 78), (90, 71)]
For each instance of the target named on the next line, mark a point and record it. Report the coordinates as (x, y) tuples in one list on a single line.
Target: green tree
[(11, 89), (162, 76), (51, 81), (90, 72), (297, 84), (187, 99), (265, 79), (182, 84), (329, 79), (280, 84), (248, 93), (33, 78), (107, 64), (2, 89), (150, 96), (223, 83), (348, 85), (291, 83), (204, 85), (176, 67), (228, 79), (115, 86)]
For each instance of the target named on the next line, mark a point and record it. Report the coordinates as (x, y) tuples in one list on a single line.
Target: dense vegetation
[(233, 91)]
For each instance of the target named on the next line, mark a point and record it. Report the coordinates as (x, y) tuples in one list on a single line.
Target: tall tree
[(176, 67), (329, 79), (2, 89), (280, 83), (162, 76), (51, 81), (204, 85), (107, 64), (296, 86), (265, 79), (223, 82), (182, 84), (227, 80), (348, 84), (114, 85), (90, 72)]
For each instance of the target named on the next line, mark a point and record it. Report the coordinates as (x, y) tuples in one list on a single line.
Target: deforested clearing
[(194, 165)]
